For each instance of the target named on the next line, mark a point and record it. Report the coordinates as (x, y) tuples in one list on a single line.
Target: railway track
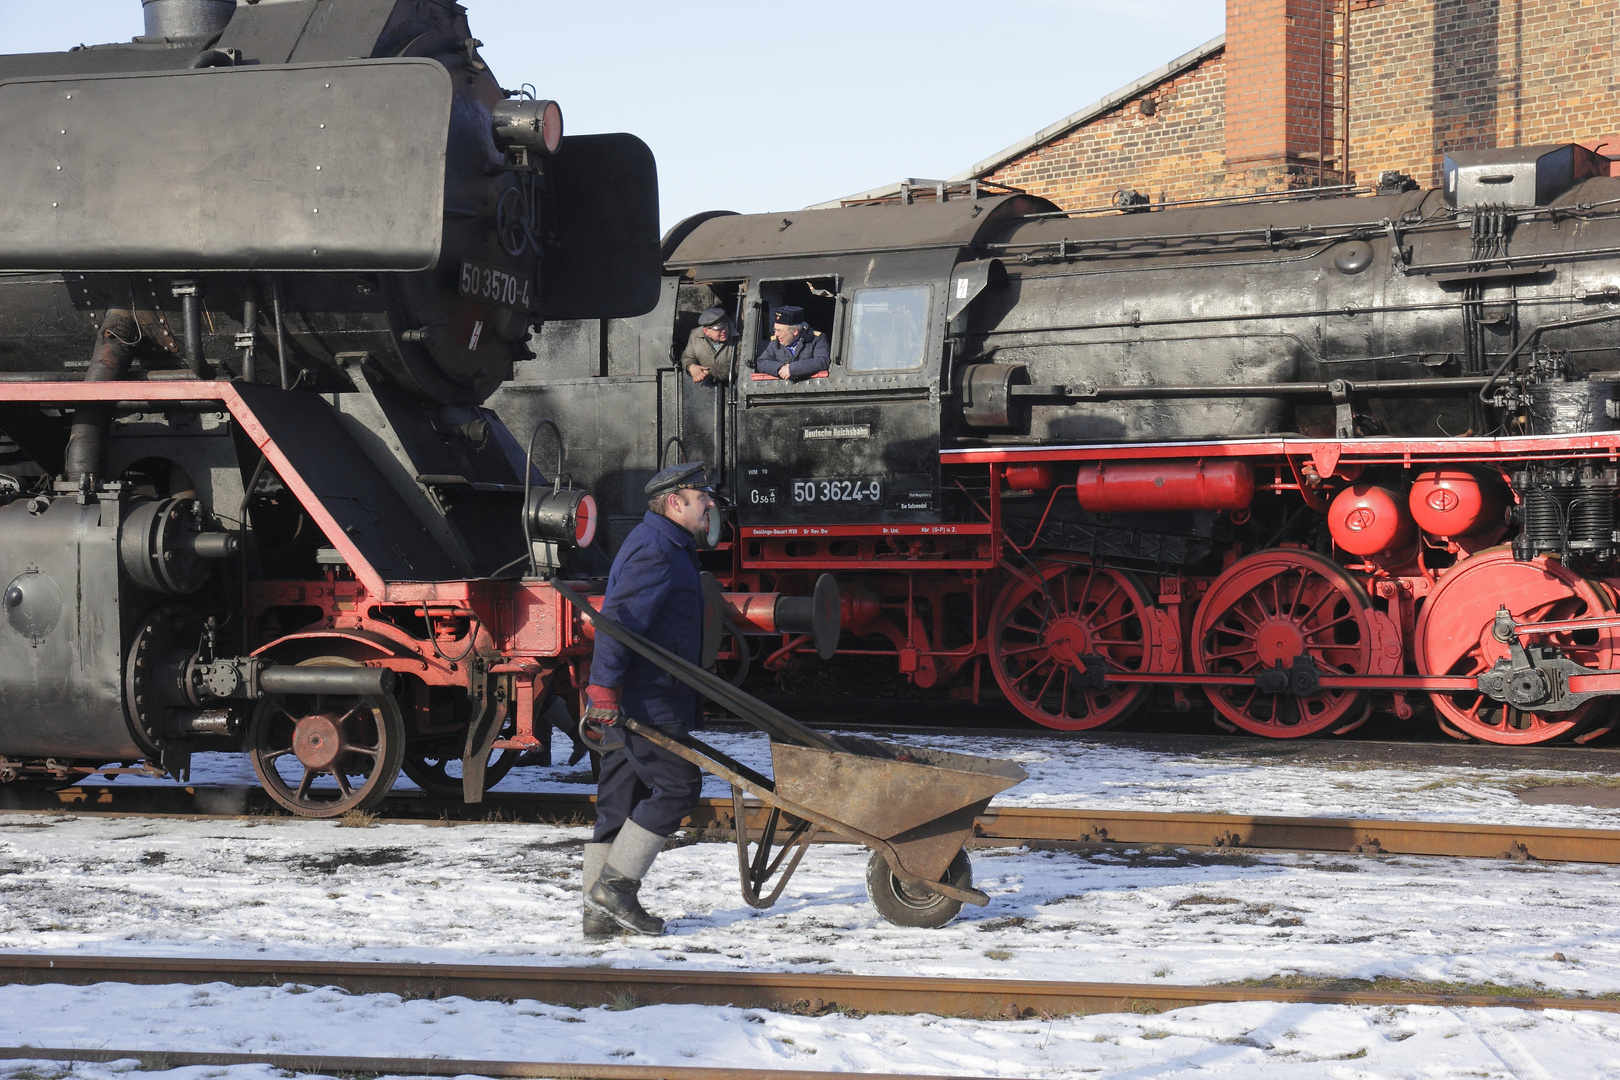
[(305, 1064), (795, 992), (1079, 829)]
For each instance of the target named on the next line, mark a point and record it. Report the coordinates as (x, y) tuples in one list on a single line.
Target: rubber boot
[(596, 924), (614, 894)]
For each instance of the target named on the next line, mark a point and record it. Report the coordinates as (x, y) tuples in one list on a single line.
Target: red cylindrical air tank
[(1028, 477), (1366, 519), (1455, 502), (1146, 486)]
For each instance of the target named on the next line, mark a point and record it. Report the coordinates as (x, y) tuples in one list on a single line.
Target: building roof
[(1080, 118)]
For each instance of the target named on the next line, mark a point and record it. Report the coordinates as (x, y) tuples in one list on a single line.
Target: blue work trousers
[(646, 784)]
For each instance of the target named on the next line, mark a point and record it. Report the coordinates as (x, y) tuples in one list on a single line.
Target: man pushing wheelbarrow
[(913, 808)]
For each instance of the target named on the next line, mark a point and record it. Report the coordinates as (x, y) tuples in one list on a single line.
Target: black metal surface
[(187, 18), (605, 191), (347, 162), (61, 643), (359, 495)]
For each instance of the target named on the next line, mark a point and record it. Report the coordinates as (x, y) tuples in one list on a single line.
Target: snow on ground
[(508, 893), (1104, 776), (1258, 1040)]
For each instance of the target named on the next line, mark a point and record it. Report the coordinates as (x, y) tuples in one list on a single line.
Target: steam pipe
[(345, 681), (191, 317), (87, 439), (250, 326), (281, 338)]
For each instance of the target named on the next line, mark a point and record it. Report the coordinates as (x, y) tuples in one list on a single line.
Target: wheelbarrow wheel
[(903, 907)]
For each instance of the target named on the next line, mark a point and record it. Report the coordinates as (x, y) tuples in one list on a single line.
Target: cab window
[(888, 329)]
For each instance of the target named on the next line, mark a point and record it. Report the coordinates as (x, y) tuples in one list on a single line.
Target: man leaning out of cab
[(795, 351)]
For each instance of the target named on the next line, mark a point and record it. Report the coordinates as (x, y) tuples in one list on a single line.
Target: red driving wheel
[(1269, 609), (1043, 627), (1454, 638)]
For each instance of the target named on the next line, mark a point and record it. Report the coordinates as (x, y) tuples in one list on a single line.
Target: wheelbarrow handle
[(772, 721)]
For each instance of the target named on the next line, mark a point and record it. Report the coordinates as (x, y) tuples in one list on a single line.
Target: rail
[(332, 1065), (999, 825), (804, 993)]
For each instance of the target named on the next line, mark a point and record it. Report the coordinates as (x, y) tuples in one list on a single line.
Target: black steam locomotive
[(258, 270), (1305, 456)]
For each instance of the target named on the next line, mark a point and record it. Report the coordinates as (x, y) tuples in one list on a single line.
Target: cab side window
[(888, 329)]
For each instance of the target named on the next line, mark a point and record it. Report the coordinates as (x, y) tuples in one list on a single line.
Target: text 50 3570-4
[(491, 285)]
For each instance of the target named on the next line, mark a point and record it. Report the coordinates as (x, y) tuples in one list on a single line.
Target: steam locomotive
[(1300, 457), (248, 489)]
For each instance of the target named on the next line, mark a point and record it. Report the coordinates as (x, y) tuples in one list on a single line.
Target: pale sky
[(759, 105)]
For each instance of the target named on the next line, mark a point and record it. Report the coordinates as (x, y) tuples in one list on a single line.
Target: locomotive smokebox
[(180, 19)]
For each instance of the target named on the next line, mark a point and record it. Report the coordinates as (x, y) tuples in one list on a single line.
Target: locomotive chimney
[(187, 18)]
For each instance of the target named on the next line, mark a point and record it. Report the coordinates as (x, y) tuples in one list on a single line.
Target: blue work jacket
[(654, 590), (810, 354)]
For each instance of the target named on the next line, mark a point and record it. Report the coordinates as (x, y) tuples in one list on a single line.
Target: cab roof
[(708, 240)]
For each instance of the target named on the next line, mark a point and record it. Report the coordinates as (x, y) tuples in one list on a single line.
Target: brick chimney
[(1275, 119)]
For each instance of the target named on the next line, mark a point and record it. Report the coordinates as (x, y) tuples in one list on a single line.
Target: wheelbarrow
[(914, 808)]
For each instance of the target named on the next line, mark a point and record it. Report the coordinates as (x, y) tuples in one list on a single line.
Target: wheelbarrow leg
[(756, 872)]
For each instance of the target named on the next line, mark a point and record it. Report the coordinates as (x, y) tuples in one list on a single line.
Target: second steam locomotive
[(1300, 457)]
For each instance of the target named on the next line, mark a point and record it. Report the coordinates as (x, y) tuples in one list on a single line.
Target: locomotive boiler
[(1296, 457), (259, 268)]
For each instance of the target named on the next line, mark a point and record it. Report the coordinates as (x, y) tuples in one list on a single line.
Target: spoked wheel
[(435, 765), (322, 755), (1272, 608), (1042, 631), (1454, 638), (901, 906)]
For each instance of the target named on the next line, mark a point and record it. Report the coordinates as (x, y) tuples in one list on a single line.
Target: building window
[(888, 329)]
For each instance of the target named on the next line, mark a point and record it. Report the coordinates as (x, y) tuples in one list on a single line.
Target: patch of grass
[(1157, 1033), (1385, 984), (330, 864), (1005, 923), (1162, 857), (998, 954), (1530, 783), (154, 858), (357, 819), (1203, 900), (1160, 972), (623, 1001)]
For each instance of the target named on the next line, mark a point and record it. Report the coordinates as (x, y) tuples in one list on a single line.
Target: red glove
[(599, 728), (602, 704)]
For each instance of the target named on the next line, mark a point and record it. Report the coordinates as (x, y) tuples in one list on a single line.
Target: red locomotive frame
[(1076, 644)]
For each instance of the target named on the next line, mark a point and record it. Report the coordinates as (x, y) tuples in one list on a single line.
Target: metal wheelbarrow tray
[(913, 807)]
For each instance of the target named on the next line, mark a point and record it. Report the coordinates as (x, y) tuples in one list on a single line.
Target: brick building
[(1264, 106)]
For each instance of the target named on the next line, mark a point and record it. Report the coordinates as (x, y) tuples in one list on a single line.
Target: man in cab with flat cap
[(644, 792), (795, 351), (711, 348)]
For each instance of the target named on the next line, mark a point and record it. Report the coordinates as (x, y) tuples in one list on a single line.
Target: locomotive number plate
[(488, 285), (841, 489)]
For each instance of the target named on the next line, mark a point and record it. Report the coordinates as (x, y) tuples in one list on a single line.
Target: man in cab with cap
[(711, 349), (644, 792), (795, 351)]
